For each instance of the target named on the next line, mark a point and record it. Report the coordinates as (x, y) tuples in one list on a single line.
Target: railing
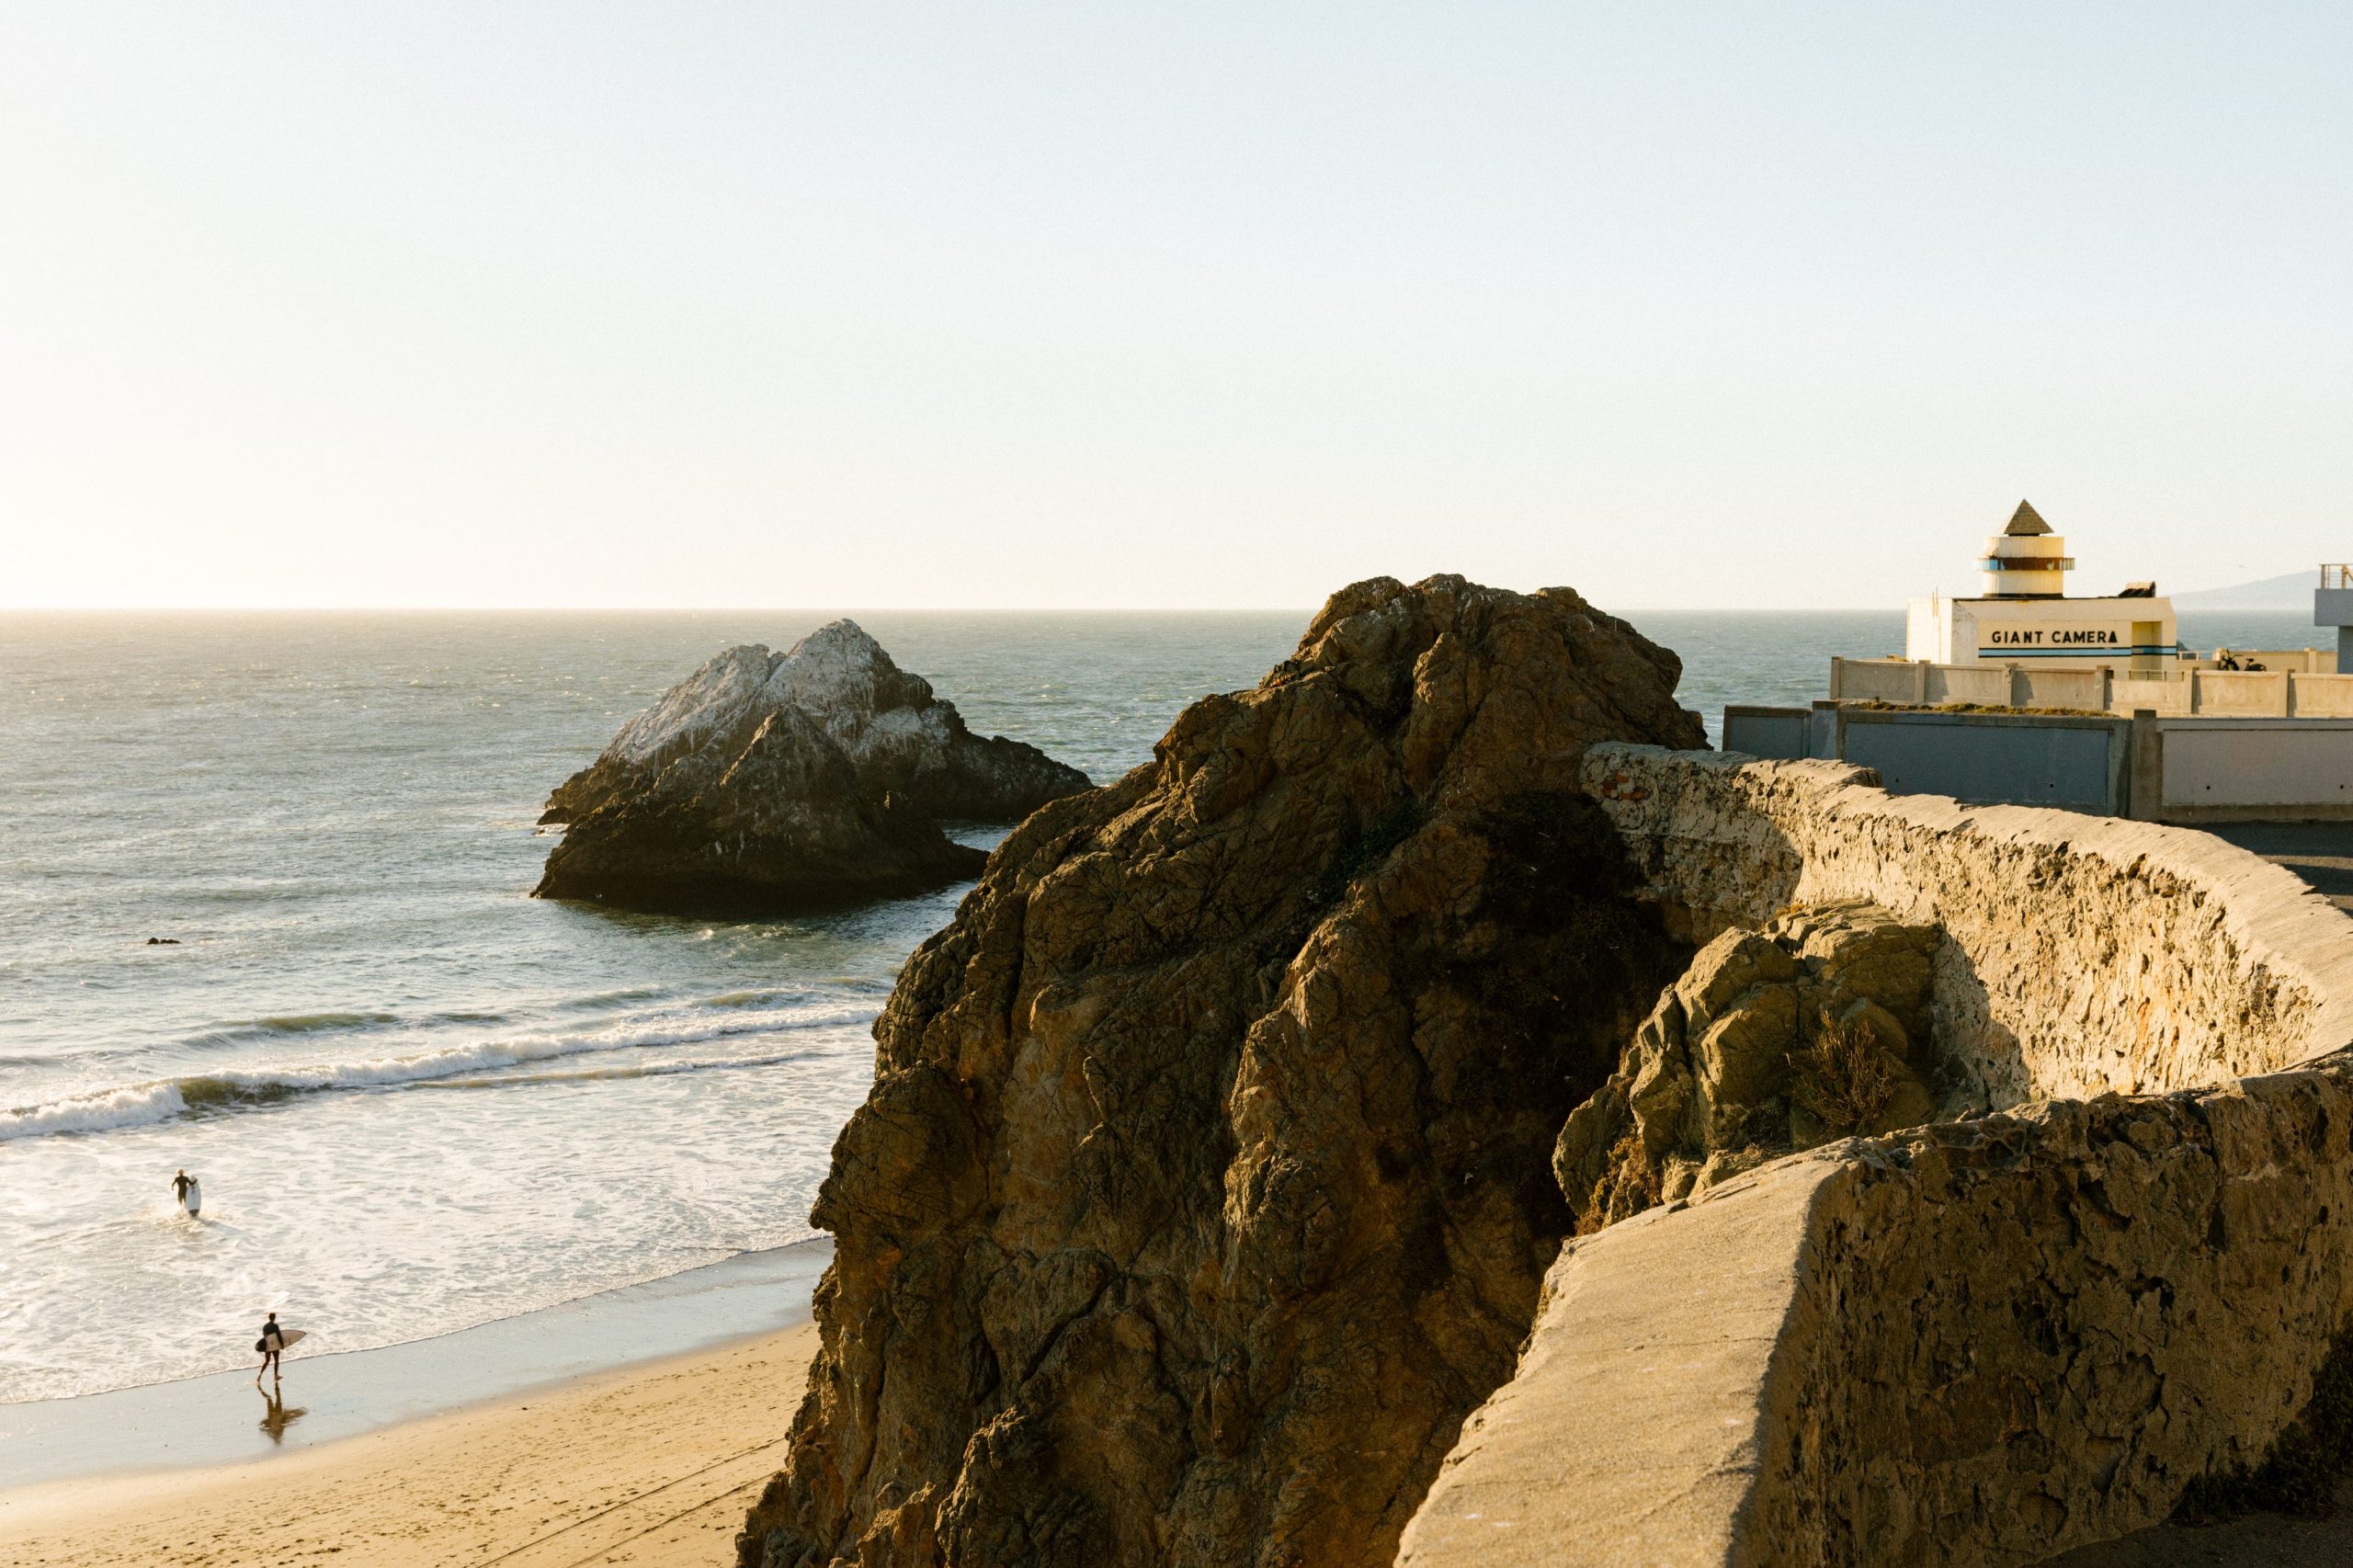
[(2336, 575), (2302, 661)]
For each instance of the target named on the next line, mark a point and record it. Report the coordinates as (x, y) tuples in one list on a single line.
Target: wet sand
[(221, 1418), (652, 1466)]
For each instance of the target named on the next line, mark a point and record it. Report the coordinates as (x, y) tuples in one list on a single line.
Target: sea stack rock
[(1205, 1184), (769, 781)]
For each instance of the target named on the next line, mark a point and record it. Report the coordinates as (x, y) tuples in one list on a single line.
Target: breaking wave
[(599, 1075), (197, 1094), (244, 1030)]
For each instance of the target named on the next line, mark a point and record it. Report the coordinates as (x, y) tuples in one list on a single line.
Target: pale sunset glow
[(1210, 305)]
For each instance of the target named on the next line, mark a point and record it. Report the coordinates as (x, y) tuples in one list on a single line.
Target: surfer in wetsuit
[(270, 1344), (180, 1184)]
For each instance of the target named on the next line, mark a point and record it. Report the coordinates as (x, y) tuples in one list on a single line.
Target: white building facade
[(2024, 614)]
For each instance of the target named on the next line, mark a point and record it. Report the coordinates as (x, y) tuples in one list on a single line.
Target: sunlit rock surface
[(1818, 1027), (1205, 1182), (777, 780)]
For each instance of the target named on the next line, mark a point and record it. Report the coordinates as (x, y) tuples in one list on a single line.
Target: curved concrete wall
[(2014, 1335), (2083, 953), (1985, 1341)]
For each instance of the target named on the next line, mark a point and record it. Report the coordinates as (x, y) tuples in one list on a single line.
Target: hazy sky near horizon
[(1202, 305)]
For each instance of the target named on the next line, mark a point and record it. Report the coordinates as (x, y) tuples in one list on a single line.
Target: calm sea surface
[(416, 1098)]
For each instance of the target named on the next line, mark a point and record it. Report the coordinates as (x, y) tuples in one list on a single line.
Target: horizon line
[(1879, 609), (848, 610)]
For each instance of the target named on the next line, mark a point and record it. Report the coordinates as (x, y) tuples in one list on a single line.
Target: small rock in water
[(766, 781), (163, 941)]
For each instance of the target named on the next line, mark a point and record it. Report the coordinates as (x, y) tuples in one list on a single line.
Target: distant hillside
[(2294, 591)]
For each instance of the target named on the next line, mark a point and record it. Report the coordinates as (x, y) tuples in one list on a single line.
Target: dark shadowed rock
[(1204, 1184), (772, 780), (784, 823)]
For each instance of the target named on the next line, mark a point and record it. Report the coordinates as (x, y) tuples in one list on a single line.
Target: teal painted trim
[(2096, 651)]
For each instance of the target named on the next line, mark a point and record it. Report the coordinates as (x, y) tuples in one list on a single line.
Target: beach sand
[(651, 1465)]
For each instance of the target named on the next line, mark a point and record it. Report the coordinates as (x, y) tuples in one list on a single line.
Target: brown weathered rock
[(783, 824), (1203, 1186), (1774, 1040), (774, 781)]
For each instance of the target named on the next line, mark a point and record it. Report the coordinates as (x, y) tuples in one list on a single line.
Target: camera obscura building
[(2023, 613)]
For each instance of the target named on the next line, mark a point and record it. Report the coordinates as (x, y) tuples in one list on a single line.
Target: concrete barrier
[(1985, 688), (2252, 769), (2042, 759), (2229, 693), (2321, 696), (1877, 680), (2127, 696), (1985, 1341), (2168, 767), (2014, 1335), (1779, 733), (2282, 689), (2082, 690)]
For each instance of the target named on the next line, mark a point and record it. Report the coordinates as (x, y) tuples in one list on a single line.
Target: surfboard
[(288, 1337), (194, 1202)]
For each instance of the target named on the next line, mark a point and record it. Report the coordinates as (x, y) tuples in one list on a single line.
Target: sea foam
[(139, 1105)]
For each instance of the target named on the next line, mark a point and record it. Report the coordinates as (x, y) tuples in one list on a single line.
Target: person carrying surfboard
[(180, 1184), (272, 1341)]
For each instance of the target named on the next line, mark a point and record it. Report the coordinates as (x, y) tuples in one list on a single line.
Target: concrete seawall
[(2019, 1334), (2114, 1265)]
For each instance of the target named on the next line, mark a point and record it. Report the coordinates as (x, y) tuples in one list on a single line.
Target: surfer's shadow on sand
[(277, 1416)]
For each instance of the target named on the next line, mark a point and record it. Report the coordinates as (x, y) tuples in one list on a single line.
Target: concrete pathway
[(2320, 852)]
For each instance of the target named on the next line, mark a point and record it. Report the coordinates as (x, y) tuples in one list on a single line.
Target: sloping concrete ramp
[(1630, 1434), (2114, 1268)]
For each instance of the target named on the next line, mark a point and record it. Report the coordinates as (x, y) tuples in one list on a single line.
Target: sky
[(1756, 305)]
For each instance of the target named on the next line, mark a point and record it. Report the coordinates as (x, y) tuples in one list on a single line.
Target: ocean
[(417, 1100)]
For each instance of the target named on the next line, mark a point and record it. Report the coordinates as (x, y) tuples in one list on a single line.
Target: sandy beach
[(651, 1465)]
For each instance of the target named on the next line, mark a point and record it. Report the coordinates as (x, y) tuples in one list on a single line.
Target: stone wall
[(2015, 1336), (2084, 953), (1987, 1340)]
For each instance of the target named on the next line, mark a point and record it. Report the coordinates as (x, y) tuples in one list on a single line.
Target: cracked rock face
[(774, 781), (1203, 1187), (1815, 1028)]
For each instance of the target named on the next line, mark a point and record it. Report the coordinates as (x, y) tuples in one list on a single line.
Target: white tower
[(2025, 560)]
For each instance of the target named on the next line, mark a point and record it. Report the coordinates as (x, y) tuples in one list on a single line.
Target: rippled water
[(416, 1098)]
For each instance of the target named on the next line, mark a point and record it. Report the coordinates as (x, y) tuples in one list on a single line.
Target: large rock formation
[(1204, 1184), (770, 780), (1815, 1028)]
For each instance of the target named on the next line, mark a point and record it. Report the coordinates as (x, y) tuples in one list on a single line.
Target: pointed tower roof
[(2026, 520)]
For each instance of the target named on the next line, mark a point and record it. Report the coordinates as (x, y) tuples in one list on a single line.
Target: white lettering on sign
[(2064, 637)]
